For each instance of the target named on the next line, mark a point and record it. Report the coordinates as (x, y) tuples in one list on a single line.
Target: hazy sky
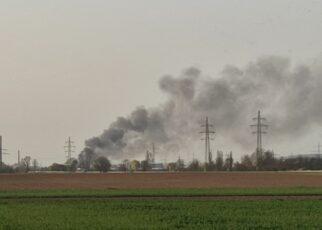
[(68, 68)]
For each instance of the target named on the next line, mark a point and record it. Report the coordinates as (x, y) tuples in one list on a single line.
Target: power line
[(207, 132), (260, 126)]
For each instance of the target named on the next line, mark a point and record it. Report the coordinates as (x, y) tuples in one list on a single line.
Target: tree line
[(89, 161)]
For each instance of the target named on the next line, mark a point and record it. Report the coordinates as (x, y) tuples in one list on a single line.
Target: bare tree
[(194, 165), (102, 164), (219, 161), (35, 164), (26, 163), (86, 158), (229, 162)]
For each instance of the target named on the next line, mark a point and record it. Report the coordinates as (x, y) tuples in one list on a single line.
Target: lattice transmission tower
[(208, 132), (69, 149), (2, 152), (261, 128)]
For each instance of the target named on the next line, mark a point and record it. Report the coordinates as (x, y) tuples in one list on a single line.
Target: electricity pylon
[(260, 126), (1, 152), (69, 149), (208, 132)]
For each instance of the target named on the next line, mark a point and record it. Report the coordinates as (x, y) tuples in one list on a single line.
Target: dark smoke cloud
[(290, 97)]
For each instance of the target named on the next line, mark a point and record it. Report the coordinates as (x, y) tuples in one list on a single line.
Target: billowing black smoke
[(290, 97)]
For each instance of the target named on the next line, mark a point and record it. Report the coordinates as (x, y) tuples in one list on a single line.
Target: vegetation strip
[(169, 197), (215, 193)]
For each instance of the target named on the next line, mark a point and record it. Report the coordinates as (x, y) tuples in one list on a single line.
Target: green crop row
[(165, 214), (158, 192)]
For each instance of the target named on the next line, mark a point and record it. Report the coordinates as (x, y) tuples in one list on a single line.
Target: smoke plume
[(290, 97)]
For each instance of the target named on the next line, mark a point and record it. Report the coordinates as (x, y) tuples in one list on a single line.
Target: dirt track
[(160, 180)]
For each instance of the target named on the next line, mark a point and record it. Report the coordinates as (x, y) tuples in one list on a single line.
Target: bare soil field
[(159, 180)]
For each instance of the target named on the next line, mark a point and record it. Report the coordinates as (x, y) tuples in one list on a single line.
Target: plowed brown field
[(160, 180)]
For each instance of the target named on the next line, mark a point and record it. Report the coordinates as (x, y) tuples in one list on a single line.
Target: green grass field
[(18, 211)]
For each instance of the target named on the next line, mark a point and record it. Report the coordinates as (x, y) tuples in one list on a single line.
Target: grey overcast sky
[(69, 68)]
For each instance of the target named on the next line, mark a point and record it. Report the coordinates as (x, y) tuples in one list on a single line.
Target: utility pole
[(18, 157), (0, 151), (260, 126), (207, 132), (69, 149), (153, 153)]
